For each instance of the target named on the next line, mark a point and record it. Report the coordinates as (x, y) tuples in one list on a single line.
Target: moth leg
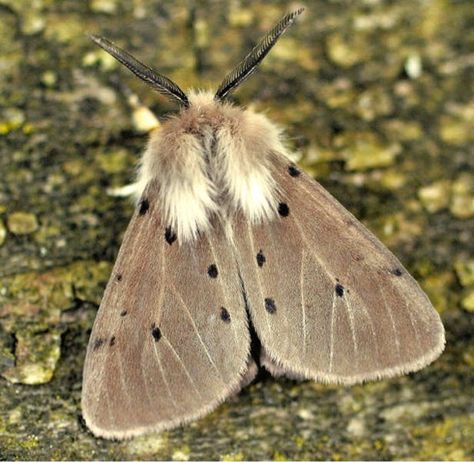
[(275, 369)]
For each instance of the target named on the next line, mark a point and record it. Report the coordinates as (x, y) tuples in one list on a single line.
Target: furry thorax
[(211, 161)]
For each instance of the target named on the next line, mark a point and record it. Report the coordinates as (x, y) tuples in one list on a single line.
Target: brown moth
[(229, 237)]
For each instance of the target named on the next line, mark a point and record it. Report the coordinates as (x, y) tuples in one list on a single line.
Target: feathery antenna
[(157, 81), (248, 65)]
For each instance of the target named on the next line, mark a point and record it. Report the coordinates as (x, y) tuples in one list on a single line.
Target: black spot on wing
[(261, 258), (112, 340), (170, 236), (396, 271), (143, 206), (123, 313), (225, 315), (270, 305), (293, 171), (98, 342), (118, 277), (283, 209), (339, 290), (155, 332), (212, 271)]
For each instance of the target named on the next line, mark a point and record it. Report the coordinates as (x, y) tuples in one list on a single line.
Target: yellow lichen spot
[(9, 126), (435, 196), (393, 179), (462, 199), (147, 446), (343, 52), (465, 271), (181, 453), (300, 441), (28, 128), (101, 58), (115, 161), (5, 128), (233, 457), (35, 374), (468, 301), (278, 456), (30, 442), (455, 131), (288, 50), (144, 120), (456, 433), (15, 416), (404, 130), (364, 151), (104, 6), (49, 78), (240, 17), (22, 223), (437, 286), (36, 357), (201, 28), (3, 233)]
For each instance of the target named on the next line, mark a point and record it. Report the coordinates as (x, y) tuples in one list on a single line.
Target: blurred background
[(376, 98)]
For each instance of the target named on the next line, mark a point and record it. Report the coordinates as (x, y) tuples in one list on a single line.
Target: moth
[(229, 238)]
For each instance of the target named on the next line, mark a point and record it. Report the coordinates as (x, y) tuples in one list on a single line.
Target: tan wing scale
[(170, 341), (328, 300)]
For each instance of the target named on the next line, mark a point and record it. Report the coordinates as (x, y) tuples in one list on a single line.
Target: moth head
[(168, 88)]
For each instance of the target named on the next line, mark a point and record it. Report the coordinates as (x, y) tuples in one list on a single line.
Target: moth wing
[(170, 340), (328, 300)]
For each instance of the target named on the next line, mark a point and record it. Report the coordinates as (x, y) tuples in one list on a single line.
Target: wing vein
[(107, 401), (392, 321), (374, 335), (124, 387), (147, 391), (415, 330), (303, 309), (313, 254), (181, 362), (201, 341), (331, 334), (167, 385), (350, 312)]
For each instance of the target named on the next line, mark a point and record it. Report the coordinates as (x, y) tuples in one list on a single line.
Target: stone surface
[(374, 98)]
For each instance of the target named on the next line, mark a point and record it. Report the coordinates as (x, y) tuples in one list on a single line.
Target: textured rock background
[(375, 97)]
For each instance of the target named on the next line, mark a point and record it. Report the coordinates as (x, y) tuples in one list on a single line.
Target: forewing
[(328, 300), (170, 341)]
